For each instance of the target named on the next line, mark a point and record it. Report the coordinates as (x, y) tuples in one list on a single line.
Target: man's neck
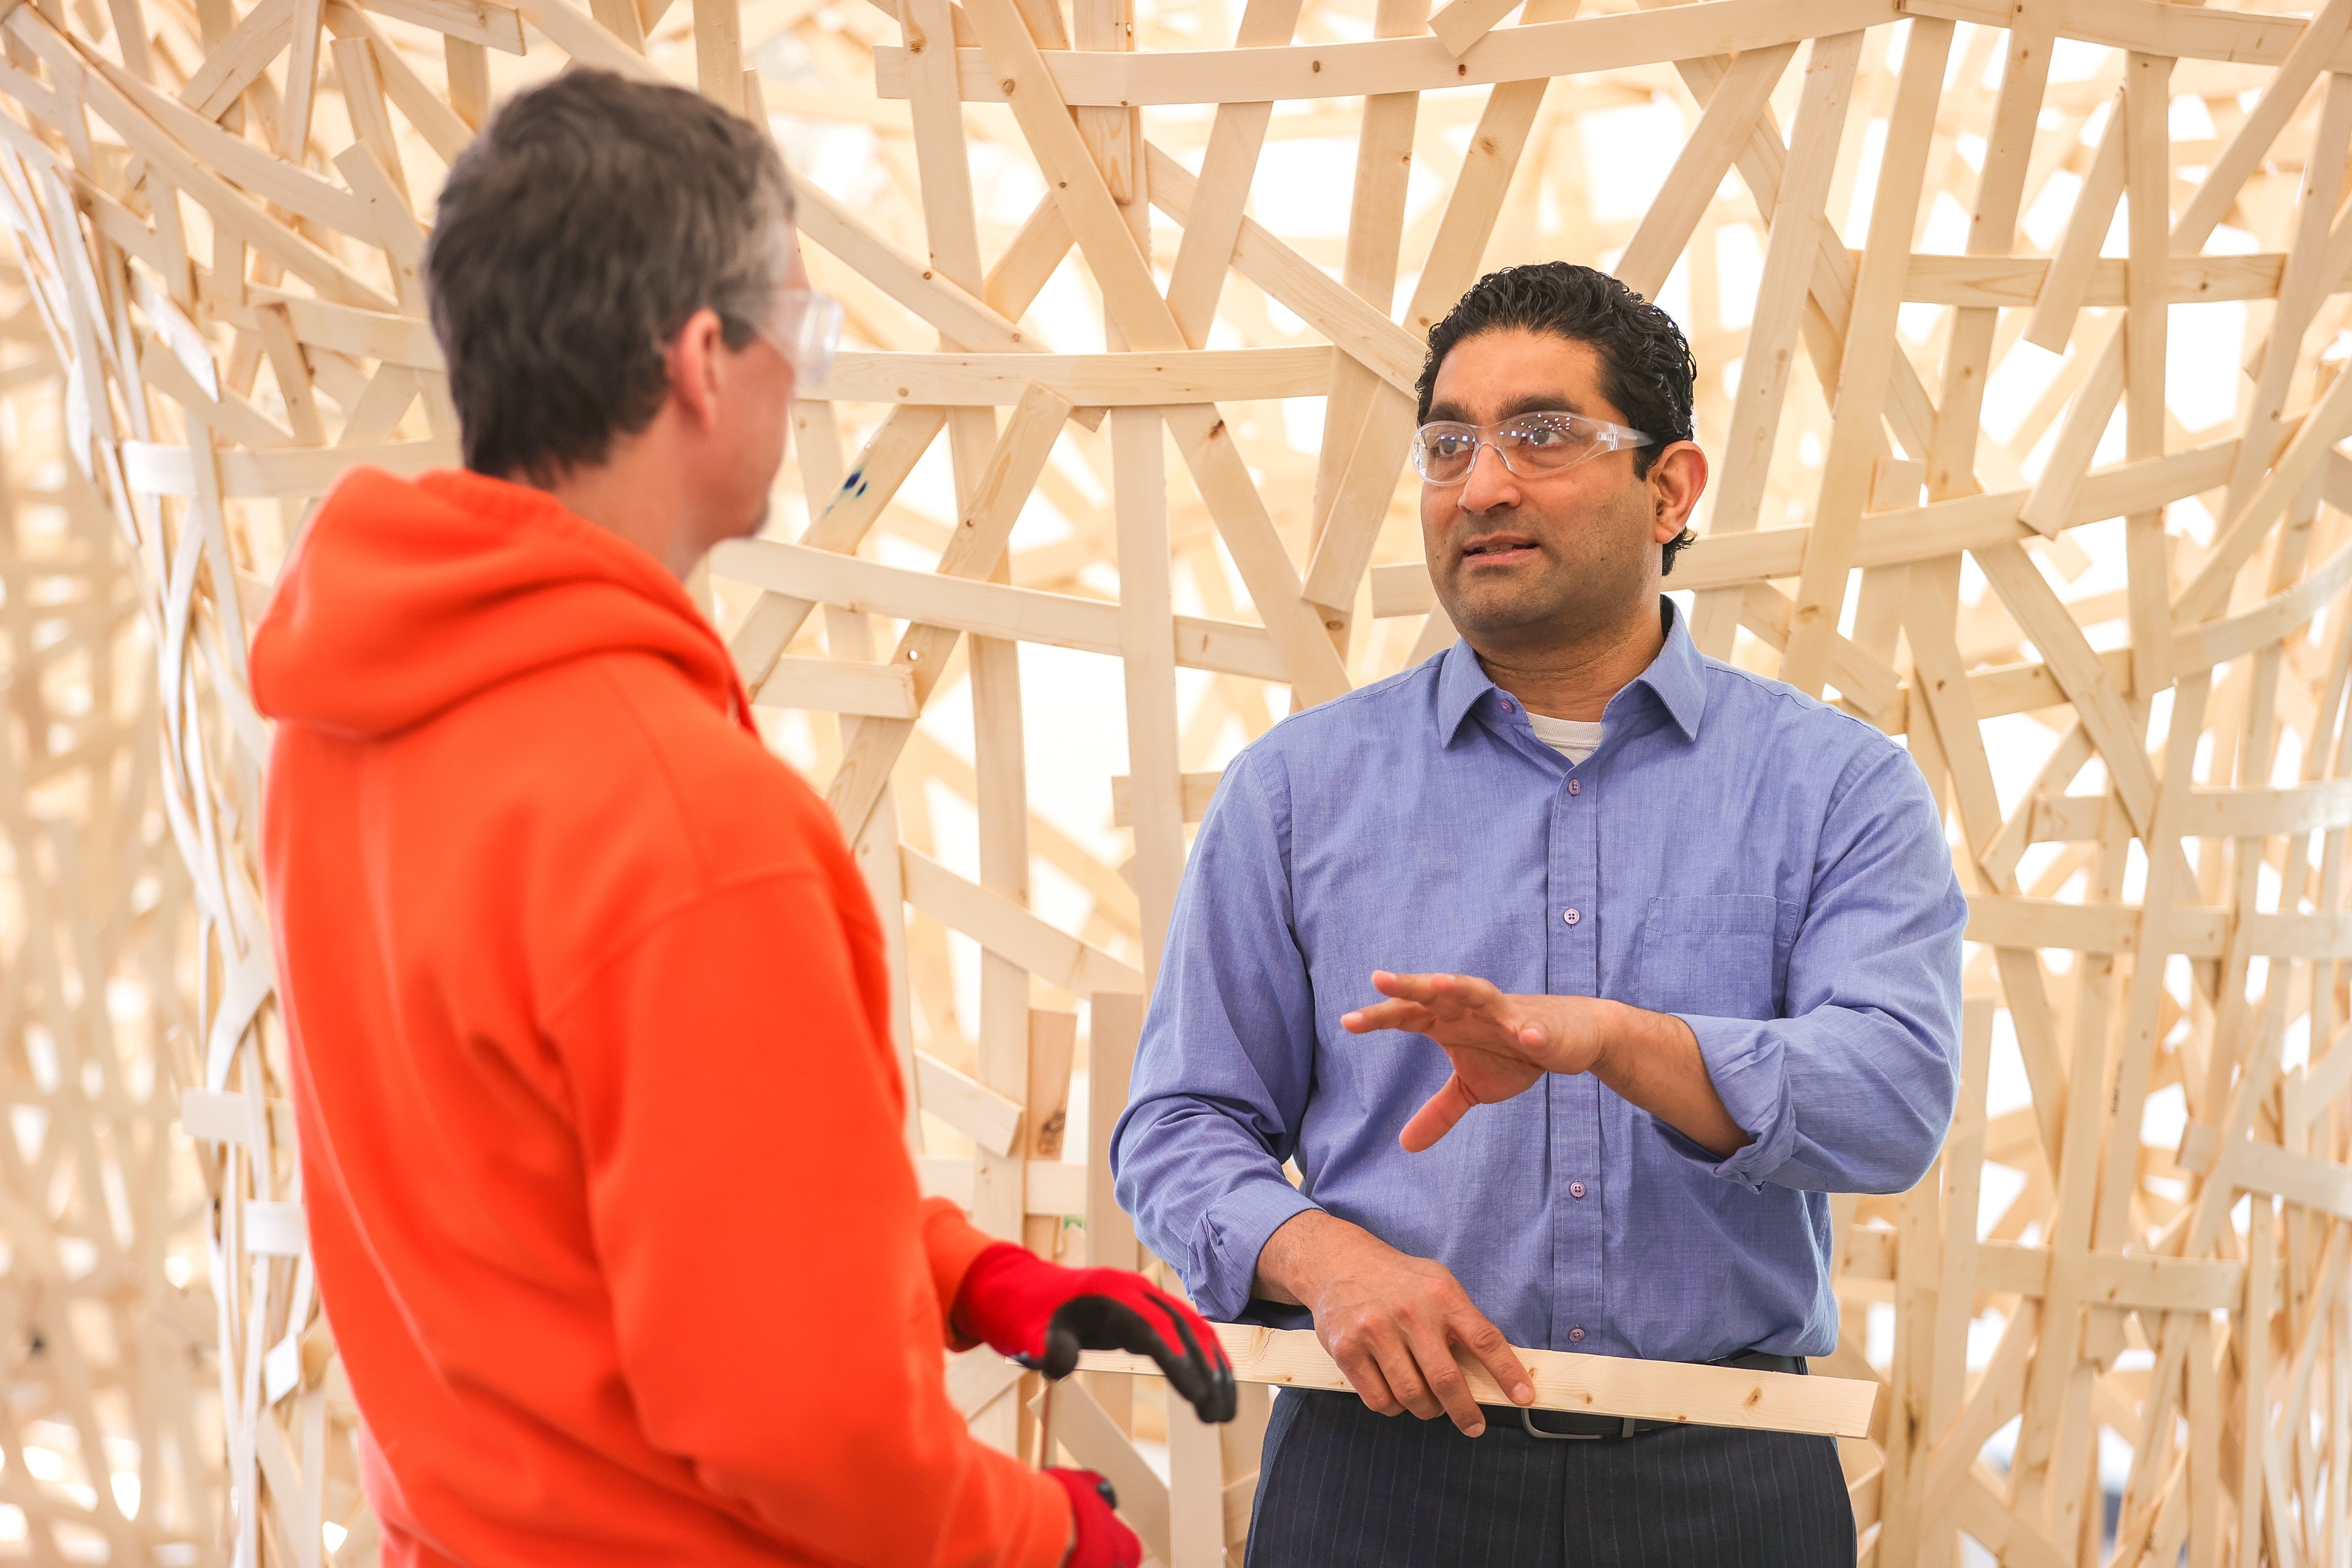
[(633, 495), (1575, 679)]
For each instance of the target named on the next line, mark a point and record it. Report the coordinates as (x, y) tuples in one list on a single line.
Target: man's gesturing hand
[(1390, 1320), (1043, 1315), (1500, 1044)]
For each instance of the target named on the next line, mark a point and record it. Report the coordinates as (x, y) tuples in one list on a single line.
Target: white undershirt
[(1575, 738)]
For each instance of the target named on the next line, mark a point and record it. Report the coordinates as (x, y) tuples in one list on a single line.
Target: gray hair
[(575, 236)]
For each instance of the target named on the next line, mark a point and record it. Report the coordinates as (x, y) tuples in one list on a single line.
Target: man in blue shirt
[(1573, 969)]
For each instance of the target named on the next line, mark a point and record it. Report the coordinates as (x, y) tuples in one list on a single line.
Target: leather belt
[(1564, 1426)]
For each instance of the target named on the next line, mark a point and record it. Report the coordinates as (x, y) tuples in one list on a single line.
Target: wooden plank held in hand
[(1673, 1391)]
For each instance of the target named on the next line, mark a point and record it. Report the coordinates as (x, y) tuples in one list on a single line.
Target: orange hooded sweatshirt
[(599, 1117)]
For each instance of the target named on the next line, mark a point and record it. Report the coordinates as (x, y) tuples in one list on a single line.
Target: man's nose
[(1489, 484)]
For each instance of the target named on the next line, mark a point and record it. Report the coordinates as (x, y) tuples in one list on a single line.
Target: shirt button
[(1576, 787), (1576, 1189), (1570, 916), (1509, 706), (1576, 1333)]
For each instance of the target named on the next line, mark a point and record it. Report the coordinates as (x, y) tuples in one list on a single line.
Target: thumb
[(1437, 1116)]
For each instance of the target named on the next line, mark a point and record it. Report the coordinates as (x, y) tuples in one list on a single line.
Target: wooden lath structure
[(110, 1432), (1138, 299)]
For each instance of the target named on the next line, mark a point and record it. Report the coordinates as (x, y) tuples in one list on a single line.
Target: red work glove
[(1103, 1540), (1041, 1315)]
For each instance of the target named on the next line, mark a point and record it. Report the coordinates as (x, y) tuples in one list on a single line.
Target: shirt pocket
[(1712, 954)]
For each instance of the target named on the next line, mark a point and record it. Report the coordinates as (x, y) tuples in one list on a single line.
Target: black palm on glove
[(1043, 1315)]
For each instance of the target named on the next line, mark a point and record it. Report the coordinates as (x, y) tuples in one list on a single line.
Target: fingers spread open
[(1437, 1116), (1477, 990), (1409, 987), (1408, 1016)]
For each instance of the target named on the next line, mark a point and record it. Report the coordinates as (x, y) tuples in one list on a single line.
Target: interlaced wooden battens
[(110, 1438), (2017, 329)]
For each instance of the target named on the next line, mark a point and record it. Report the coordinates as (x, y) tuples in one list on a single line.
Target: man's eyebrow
[(1541, 402), (1532, 403)]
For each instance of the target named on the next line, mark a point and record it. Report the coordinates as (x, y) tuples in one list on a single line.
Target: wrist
[(1286, 1267), (1614, 1023), (979, 1276), (1588, 1035)]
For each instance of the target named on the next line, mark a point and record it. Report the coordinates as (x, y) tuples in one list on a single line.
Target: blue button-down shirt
[(1735, 853)]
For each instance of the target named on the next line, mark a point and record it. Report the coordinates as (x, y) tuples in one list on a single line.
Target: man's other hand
[(1390, 1320), (1098, 1538), (1500, 1044), (1043, 1315)]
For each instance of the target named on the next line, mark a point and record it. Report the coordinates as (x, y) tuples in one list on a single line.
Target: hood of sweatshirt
[(408, 596)]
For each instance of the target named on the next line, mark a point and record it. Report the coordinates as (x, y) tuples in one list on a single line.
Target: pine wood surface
[(2019, 330), (110, 1432), (1587, 1384)]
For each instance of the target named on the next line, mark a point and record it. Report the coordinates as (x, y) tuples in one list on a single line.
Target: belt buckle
[(1527, 1420)]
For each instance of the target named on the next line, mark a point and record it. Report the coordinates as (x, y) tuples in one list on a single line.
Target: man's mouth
[(1498, 548)]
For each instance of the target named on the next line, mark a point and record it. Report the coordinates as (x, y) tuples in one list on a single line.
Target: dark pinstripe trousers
[(1340, 1487)]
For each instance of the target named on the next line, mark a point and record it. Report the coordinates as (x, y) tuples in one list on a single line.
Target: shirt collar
[(1676, 678)]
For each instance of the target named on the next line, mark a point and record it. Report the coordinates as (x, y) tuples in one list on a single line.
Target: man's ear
[(1676, 481), (696, 367)]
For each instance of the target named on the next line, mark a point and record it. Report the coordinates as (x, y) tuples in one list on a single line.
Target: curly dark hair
[(1648, 370)]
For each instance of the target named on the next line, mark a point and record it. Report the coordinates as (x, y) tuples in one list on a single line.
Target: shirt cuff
[(1749, 1068), (1232, 1232)]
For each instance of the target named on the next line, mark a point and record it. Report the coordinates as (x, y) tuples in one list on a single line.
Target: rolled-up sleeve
[(1222, 1070), (1853, 1089)]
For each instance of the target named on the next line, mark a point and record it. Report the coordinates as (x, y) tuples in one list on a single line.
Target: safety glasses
[(1530, 445), (806, 330)]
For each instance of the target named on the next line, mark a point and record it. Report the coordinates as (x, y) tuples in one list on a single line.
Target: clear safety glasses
[(806, 330), (1530, 445)]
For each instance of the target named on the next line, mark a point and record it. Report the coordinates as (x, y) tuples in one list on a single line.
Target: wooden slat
[(987, 1118), (1413, 65), (1119, 380), (1599, 1385), (1003, 926), (840, 686)]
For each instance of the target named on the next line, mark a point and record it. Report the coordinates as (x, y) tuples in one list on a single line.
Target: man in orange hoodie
[(592, 1063)]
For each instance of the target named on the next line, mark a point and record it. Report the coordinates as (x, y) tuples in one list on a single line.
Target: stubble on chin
[(1549, 600), (1493, 610), (1571, 602)]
